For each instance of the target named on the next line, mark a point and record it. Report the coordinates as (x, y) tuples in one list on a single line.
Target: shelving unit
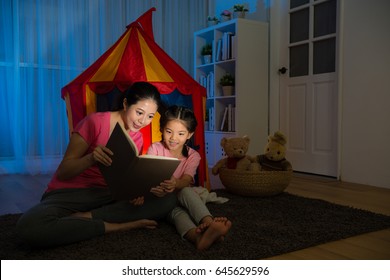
[(243, 52)]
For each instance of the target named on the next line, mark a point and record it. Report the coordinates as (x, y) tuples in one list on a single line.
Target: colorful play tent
[(136, 57)]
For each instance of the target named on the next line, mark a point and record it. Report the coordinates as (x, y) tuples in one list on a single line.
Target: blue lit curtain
[(44, 44)]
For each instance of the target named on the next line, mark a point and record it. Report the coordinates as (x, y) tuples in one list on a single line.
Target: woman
[(77, 204)]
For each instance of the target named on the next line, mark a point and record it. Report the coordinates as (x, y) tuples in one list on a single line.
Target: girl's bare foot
[(214, 231), (206, 223)]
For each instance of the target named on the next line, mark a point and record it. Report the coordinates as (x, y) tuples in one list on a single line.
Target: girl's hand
[(137, 201), (102, 154), (169, 185)]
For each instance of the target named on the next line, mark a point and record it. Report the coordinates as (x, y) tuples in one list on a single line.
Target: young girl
[(177, 126), (77, 204)]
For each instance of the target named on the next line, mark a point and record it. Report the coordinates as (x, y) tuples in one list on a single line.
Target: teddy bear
[(236, 157), (274, 155)]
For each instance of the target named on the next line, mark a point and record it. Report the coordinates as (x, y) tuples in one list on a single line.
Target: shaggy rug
[(262, 227)]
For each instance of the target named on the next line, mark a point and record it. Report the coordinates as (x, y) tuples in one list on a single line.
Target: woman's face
[(140, 114)]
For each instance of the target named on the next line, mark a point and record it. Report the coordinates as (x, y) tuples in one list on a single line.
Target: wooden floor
[(371, 246), (20, 192)]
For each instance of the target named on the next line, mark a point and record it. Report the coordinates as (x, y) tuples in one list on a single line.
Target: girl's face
[(175, 134), (140, 114)]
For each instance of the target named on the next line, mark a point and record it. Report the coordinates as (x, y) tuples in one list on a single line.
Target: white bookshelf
[(248, 63)]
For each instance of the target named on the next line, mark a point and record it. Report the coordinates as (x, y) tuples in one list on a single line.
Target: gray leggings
[(190, 212), (49, 223)]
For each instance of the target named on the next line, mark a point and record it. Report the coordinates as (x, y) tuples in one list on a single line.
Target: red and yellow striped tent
[(135, 57)]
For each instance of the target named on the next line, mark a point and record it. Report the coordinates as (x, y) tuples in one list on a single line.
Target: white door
[(308, 89)]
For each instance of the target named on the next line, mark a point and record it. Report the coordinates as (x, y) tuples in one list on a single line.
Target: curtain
[(45, 44)]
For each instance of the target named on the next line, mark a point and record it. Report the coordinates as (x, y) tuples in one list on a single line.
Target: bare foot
[(144, 223), (87, 215), (110, 227), (215, 231), (205, 224)]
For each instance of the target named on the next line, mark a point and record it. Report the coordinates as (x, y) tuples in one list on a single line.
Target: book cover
[(230, 117), (223, 122), (132, 175), (211, 118), (218, 55)]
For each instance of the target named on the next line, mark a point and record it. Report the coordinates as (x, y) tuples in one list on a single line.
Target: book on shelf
[(211, 118), (227, 45), (224, 46), (228, 119), (213, 46), (132, 175), (203, 83), (234, 47), (224, 119), (210, 84), (218, 53), (207, 81), (202, 80), (233, 118)]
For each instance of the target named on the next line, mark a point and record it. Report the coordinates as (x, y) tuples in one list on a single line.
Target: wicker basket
[(249, 183)]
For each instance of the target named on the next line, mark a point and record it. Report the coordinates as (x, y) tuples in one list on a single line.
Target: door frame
[(277, 20)]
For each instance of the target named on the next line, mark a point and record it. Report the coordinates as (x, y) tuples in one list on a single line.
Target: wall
[(258, 9), (365, 92)]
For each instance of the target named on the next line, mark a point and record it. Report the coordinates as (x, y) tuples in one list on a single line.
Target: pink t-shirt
[(187, 165), (95, 130)]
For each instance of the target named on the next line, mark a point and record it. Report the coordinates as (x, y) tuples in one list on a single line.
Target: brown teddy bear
[(273, 158), (236, 157)]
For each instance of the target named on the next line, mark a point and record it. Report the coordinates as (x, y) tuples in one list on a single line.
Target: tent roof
[(134, 57)]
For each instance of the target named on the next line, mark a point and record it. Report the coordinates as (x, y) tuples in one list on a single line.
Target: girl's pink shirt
[(187, 165), (95, 130)]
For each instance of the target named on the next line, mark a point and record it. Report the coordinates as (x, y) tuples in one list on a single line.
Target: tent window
[(111, 101)]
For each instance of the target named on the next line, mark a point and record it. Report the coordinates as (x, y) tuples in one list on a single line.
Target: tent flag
[(135, 56)]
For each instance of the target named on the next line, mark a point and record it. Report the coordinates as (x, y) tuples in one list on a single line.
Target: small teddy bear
[(273, 158), (236, 157)]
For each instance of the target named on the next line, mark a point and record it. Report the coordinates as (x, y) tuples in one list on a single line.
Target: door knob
[(282, 70)]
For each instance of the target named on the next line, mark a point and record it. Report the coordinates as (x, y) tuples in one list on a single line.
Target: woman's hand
[(102, 154), (158, 191), (138, 201), (76, 158)]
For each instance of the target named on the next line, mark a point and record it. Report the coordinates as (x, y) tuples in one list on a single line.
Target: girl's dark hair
[(183, 114), (142, 90)]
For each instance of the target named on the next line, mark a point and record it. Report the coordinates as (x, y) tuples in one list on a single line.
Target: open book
[(132, 175)]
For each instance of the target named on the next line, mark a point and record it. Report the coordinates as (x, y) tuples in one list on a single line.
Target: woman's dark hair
[(183, 114), (142, 90)]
